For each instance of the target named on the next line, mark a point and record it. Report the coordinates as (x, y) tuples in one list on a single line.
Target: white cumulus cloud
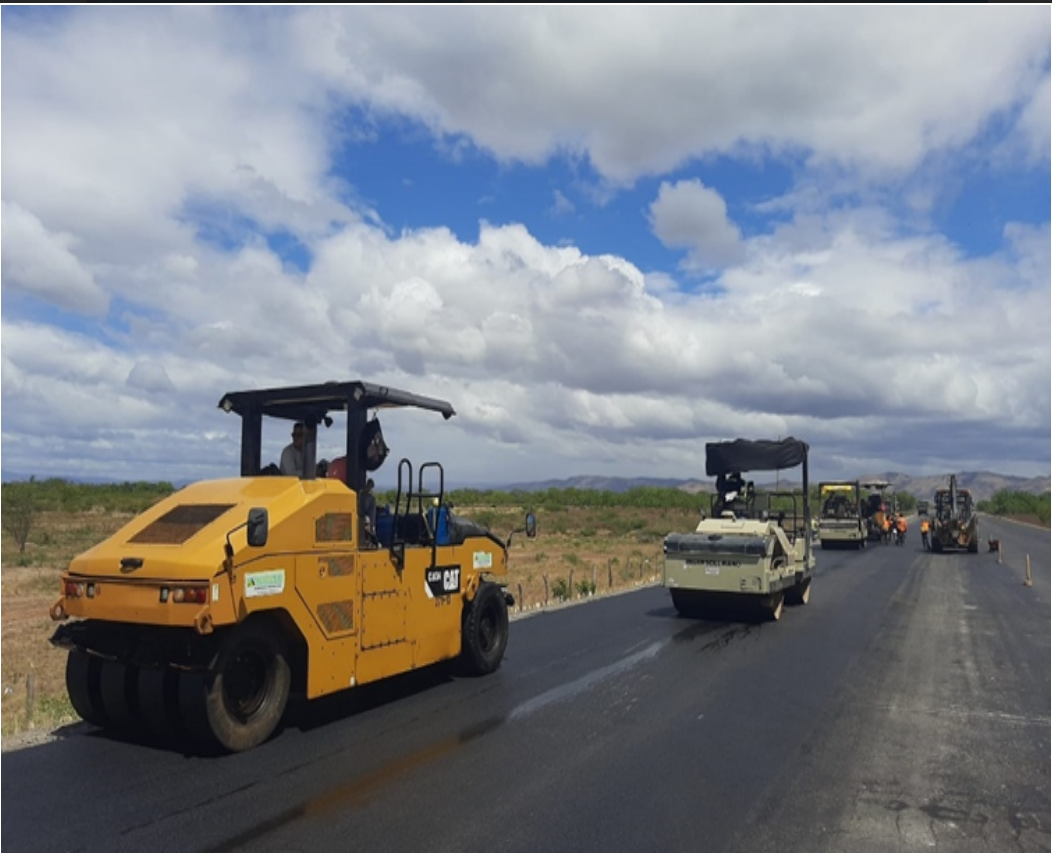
[(689, 215)]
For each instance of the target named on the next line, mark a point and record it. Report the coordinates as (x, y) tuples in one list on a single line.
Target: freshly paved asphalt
[(906, 707)]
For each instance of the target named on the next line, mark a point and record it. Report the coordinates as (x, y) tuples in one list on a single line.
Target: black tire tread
[(488, 602), (82, 685)]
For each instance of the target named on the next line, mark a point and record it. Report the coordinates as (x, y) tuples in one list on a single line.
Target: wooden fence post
[(31, 696)]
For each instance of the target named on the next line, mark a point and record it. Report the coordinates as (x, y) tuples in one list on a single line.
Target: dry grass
[(618, 548), (29, 585), (618, 545)]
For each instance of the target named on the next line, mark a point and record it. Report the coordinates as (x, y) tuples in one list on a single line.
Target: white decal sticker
[(442, 581), (215, 592), (482, 560), (258, 584), (712, 570)]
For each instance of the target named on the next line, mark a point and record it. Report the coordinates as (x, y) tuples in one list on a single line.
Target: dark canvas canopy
[(725, 457)]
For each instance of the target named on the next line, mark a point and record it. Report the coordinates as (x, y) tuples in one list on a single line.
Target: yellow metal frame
[(361, 616)]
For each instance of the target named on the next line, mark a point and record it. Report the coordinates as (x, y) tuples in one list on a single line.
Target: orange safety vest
[(901, 524), (924, 526), (886, 524)]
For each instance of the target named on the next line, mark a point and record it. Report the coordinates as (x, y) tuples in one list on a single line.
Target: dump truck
[(876, 505), (202, 614), (955, 525), (840, 521), (752, 549)]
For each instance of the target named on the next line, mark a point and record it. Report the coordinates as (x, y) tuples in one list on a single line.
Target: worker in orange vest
[(925, 527), (885, 529), (900, 528)]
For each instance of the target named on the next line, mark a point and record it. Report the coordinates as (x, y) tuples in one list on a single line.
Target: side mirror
[(531, 525), (258, 527)]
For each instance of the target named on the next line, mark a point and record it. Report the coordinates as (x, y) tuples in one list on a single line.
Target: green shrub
[(560, 589), (585, 587)]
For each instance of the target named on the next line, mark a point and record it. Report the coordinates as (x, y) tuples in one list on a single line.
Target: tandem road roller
[(754, 548), (203, 613)]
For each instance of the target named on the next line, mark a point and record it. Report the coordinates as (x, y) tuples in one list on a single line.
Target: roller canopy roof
[(315, 401), (741, 455)]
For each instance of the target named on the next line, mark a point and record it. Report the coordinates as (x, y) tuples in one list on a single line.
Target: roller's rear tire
[(240, 700), (83, 686), (118, 687), (159, 702)]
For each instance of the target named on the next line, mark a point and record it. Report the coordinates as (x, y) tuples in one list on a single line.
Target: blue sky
[(419, 183), (606, 238)]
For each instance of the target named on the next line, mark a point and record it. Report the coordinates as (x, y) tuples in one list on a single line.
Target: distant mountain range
[(982, 484)]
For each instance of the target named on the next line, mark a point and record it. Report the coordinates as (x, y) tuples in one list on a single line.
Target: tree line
[(1007, 502), (22, 501)]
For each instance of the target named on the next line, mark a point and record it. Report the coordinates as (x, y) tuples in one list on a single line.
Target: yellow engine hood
[(182, 537)]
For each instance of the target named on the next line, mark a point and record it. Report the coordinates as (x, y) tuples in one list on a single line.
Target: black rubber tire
[(82, 685), (484, 630), (159, 702), (862, 544), (191, 691), (685, 602), (118, 687), (696, 604), (240, 700)]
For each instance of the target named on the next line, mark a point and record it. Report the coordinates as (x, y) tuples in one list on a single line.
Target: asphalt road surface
[(906, 707)]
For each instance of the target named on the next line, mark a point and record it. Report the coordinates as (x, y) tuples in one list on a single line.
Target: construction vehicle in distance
[(923, 507), (840, 520), (754, 549), (203, 613), (955, 524), (876, 506)]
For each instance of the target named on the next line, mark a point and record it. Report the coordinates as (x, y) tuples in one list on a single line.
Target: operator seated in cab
[(838, 506), (733, 495), (291, 464)]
